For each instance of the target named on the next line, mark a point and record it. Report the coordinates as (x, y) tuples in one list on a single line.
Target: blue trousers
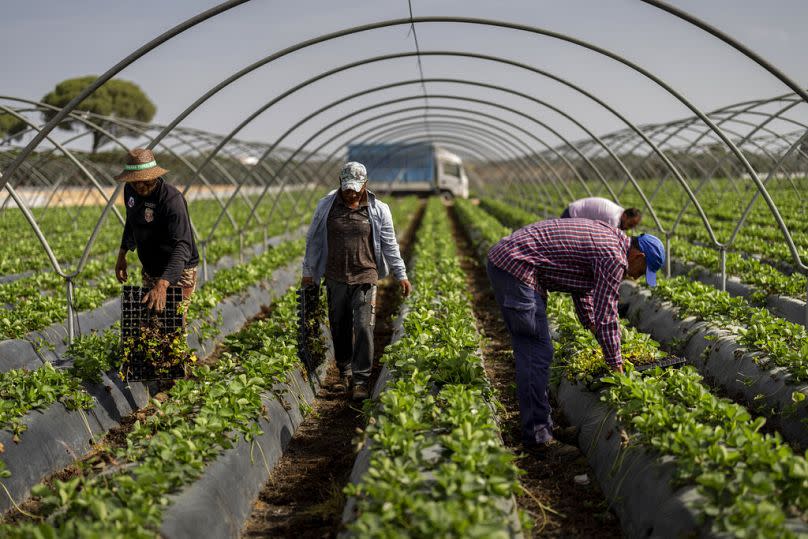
[(525, 313)]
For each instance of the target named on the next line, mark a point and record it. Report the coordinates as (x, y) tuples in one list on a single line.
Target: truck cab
[(451, 175)]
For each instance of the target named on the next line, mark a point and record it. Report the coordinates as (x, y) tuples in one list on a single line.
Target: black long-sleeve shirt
[(159, 227)]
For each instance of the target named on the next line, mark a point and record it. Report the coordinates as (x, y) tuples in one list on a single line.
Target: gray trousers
[(352, 316)]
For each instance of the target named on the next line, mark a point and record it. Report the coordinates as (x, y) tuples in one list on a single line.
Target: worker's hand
[(618, 368), (156, 297), (120, 268), (306, 281), (592, 329), (406, 287)]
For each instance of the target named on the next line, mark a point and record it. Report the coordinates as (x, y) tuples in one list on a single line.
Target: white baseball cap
[(353, 176)]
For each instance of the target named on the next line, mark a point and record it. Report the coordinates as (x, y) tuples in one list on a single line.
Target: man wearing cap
[(585, 258), (602, 209), (352, 243), (158, 226)]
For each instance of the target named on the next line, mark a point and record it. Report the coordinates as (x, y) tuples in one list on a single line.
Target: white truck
[(412, 168)]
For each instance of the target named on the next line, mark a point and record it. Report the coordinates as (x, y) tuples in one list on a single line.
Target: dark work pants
[(352, 315), (524, 312)]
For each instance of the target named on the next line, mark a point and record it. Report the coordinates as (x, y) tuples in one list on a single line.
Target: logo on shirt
[(131, 202), (148, 215)]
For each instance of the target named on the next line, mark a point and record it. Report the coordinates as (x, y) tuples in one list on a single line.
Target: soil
[(558, 506), (303, 497)]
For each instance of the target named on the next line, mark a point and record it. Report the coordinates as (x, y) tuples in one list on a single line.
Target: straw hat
[(140, 166)]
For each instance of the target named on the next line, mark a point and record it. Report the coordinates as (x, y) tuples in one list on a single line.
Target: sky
[(46, 41)]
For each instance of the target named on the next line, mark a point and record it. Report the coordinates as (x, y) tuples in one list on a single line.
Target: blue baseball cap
[(654, 253)]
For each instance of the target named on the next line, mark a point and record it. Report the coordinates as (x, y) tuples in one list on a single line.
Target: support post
[(668, 255), (266, 238), (204, 246), (241, 247), (723, 253), (805, 322), (71, 331)]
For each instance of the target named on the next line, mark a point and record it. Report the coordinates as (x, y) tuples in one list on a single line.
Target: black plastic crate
[(137, 318), (311, 316), (664, 363)]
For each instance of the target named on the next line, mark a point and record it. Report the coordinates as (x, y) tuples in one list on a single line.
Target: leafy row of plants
[(39, 300), (94, 354), (438, 467), (760, 235), (764, 277), (68, 229), (202, 417), (507, 214), (783, 343), (22, 391), (751, 484)]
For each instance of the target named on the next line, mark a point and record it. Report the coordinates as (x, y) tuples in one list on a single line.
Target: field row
[(713, 468), (30, 397)]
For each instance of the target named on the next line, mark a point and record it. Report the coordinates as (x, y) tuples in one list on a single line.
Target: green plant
[(437, 465)]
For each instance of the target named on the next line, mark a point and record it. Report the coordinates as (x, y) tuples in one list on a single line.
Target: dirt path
[(303, 497), (559, 507)]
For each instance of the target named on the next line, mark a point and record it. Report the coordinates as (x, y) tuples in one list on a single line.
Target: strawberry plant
[(784, 343), (752, 484), (22, 391), (203, 416), (433, 429)]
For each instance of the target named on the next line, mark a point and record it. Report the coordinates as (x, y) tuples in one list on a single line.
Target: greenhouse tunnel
[(723, 186)]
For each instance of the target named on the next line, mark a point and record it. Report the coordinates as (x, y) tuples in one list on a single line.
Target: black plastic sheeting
[(636, 482), (723, 361), (219, 503), (56, 437), (792, 309), (26, 353)]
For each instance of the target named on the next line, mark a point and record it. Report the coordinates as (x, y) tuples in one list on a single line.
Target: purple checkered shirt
[(586, 258)]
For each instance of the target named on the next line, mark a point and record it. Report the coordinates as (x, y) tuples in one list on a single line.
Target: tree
[(117, 98), (10, 125)]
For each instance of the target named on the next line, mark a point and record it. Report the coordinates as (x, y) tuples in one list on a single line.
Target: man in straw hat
[(351, 241), (158, 226)]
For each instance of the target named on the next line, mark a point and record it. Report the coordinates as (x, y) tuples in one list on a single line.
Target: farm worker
[(351, 242), (158, 226), (585, 258), (601, 209)]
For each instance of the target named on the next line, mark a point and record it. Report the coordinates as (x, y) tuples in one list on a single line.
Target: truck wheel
[(447, 195)]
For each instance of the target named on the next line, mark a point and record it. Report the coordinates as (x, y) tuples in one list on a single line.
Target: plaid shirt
[(585, 258)]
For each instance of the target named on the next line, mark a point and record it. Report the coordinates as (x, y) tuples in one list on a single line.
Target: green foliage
[(202, 417), (751, 483), (116, 98), (22, 391), (40, 300), (438, 467), (784, 343), (10, 125), (508, 215), (95, 354)]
